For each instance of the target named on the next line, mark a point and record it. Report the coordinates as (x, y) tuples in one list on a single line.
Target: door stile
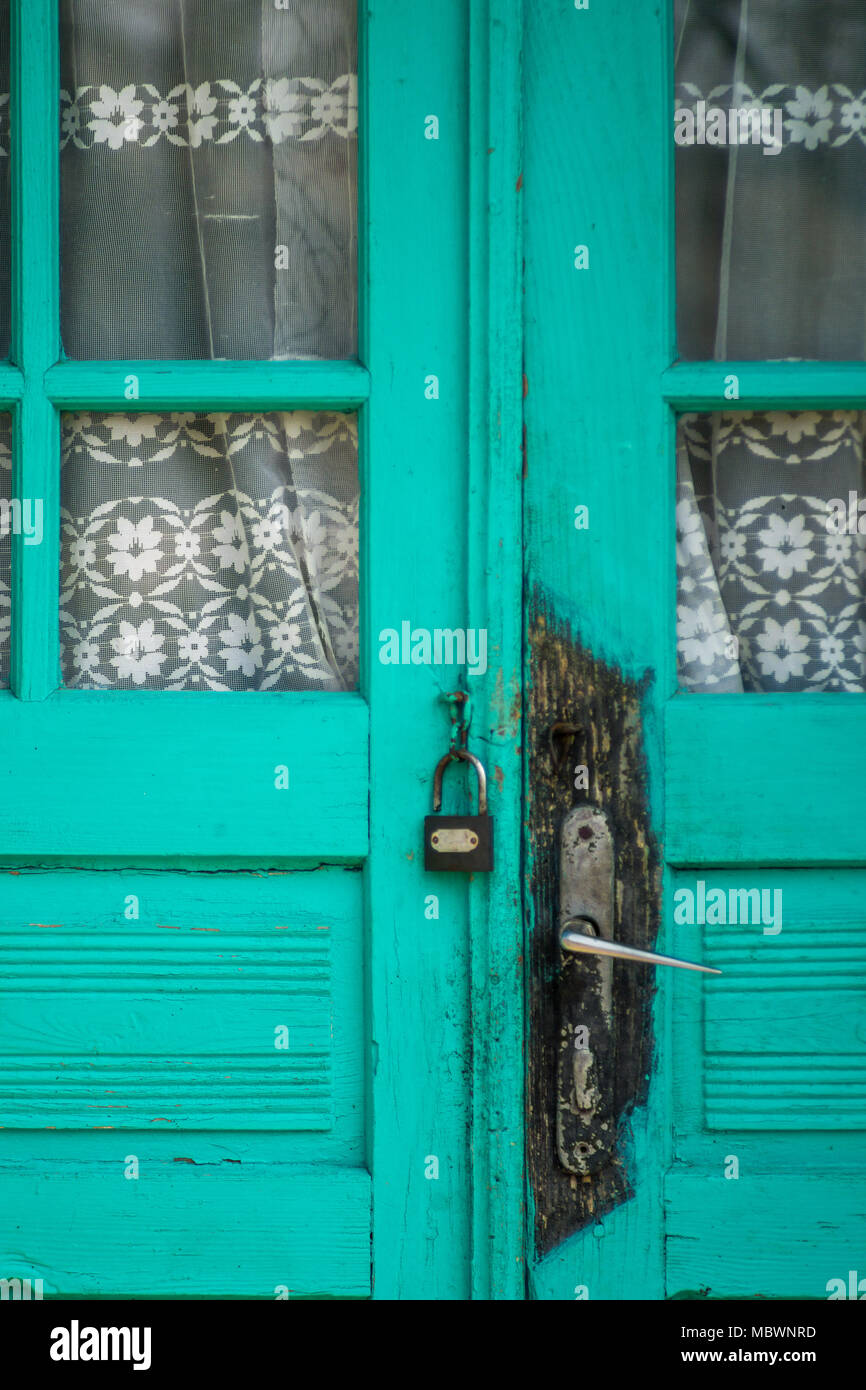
[(35, 127), (413, 448), (599, 336), (495, 546)]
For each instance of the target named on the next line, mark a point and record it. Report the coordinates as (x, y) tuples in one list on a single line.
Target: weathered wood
[(414, 538), (184, 1230), (568, 685), (495, 584), (763, 1234), (122, 1023), (598, 195)]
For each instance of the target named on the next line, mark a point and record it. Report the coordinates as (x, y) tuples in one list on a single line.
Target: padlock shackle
[(460, 755)]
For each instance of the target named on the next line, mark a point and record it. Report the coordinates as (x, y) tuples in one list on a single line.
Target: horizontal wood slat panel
[(207, 385), (785, 1024), (229, 1002), (184, 775), (782, 1232), (777, 1042), (763, 780), (185, 1230), (194, 1029)]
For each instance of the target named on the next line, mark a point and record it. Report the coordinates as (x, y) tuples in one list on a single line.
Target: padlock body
[(458, 844)]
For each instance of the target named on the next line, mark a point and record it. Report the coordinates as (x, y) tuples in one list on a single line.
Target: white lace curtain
[(208, 210), (771, 258)]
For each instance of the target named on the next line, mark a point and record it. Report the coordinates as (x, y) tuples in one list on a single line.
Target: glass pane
[(770, 127), (209, 552), (208, 179), (771, 551), (5, 185)]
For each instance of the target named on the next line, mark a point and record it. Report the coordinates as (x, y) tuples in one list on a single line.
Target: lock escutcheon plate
[(585, 1128)]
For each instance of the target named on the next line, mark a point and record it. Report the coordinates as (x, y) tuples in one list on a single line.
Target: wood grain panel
[(766, 779), (181, 774), (763, 1233), (228, 1230)]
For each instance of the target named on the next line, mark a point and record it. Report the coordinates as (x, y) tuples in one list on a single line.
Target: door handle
[(586, 1118), (588, 945)]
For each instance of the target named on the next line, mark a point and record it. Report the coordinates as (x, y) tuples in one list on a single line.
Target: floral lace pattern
[(770, 597), (831, 115), (210, 552), (220, 111)]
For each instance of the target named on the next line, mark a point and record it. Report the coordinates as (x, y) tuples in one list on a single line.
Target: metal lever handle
[(582, 944)]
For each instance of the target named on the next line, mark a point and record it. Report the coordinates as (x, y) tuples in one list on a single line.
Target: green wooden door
[(738, 1164), (236, 1040)]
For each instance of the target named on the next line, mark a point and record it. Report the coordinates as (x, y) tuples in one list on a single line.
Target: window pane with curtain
[(209, 211), (209, 552), (208, 179), (770, 132)]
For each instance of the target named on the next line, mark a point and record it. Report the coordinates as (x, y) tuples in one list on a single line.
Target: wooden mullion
[(765, 385), (35, 342), (169, 385), (11, 386)]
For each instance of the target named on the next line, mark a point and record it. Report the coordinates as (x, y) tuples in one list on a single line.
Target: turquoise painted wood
[(141, 1088), (214, 385), (495, 590), (34, 119), (414, 327), (765, 385), (395, 1111), (747, 1159), (271, 1231), (598, 433), (128, 774), (769, 805)]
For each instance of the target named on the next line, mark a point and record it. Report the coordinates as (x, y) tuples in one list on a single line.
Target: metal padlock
[(462, 844)]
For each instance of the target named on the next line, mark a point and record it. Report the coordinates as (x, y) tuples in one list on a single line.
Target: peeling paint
[(569, 684)]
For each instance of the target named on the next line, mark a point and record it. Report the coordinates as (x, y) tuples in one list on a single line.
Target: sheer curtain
[(771, 258), (208, 210)]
